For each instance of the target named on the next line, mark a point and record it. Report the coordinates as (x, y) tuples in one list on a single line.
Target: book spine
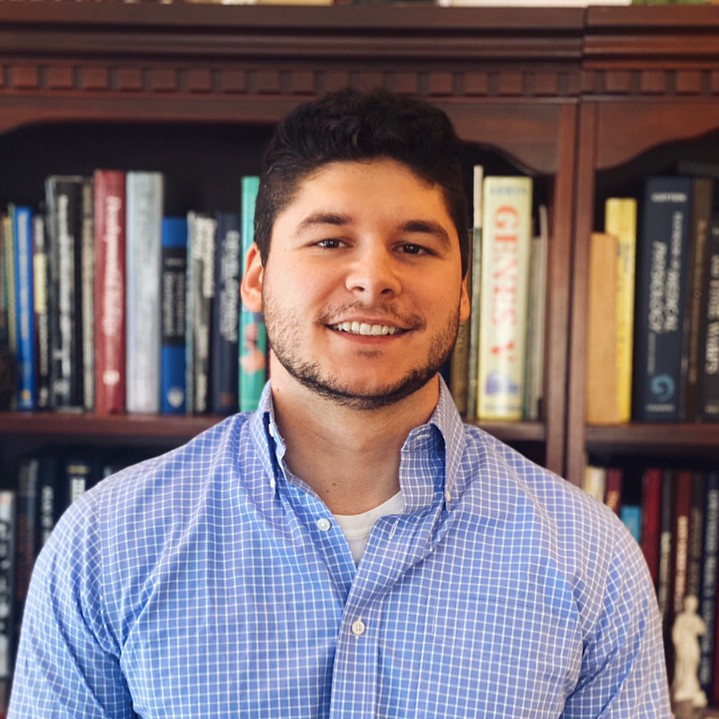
[(696, 534), (694, 326), (613, 494), (602, 406), (173, 388), (87, 300), (659, 373), (64, 221), (26, 358), (683, 504), (4, 316), (109, 230), (26, 546), (651, 519), (253, 333), (7, 591), (506, 242), (51, 498), (203, 237), (9, 284), (143, 271), (226, 322), (475, 290), (42, 319), (79, 476), (666, 548), (710, 567), (710, 365), (621, 221)]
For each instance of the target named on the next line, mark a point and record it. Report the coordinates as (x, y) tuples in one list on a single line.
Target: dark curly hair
[(354, 126)]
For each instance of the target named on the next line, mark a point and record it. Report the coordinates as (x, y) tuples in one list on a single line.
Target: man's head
[(353, 126)]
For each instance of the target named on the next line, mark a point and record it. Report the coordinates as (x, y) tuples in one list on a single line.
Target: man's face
[(362, 290)]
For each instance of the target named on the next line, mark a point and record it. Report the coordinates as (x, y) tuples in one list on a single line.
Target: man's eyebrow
[(428, 227), (338, 219)]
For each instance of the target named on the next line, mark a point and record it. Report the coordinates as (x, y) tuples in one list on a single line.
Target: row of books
[(497, 366), (673, 513), (110, 306), (653, 303), (47, 483)]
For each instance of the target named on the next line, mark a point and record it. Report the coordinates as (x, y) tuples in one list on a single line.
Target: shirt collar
[(443, 433)]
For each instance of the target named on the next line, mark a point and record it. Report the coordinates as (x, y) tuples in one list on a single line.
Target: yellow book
[(602, 399), (620, 220)]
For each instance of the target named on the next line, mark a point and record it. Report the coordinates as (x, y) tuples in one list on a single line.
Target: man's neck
[(349, 456)]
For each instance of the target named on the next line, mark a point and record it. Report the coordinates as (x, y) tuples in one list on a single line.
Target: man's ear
[(251, 287)]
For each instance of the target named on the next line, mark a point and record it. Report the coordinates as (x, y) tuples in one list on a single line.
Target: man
[(351, 549)]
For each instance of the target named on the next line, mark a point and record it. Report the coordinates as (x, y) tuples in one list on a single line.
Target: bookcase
[(194, 91)]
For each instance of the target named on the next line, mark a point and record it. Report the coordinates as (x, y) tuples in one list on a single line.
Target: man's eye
[(410, 248), (329, 244)]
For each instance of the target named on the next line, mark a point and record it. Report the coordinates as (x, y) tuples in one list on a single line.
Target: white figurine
[(688, 627)]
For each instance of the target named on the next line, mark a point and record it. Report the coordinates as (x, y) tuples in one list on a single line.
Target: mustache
[(377, 310)]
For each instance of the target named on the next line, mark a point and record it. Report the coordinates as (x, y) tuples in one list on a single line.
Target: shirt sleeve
[(623, 668), (68, 664)]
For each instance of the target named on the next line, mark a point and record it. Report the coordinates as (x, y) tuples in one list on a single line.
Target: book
[(695, 555), (695, 321), (253, 333), (536, 318), (506, 239), (201, 232), (80, 473), (651, 519), (594, 482), (226, 315), (22, 226), (613, 490), (64, 208), (602, 383), (710, 567), (709, 380), (7, 592), (87, 293), (682, 519), (631, 516), (475, 290), (110, 290), (620, 220), (173, 292), (143, 253), (40, 307), (9, 283), (665, 577), (661, 298), (51, 497)]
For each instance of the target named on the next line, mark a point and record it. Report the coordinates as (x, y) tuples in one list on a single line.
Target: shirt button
[(323, 524), (358, 628)]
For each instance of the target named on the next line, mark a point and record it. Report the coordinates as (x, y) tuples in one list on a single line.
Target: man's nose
[(374, 273)]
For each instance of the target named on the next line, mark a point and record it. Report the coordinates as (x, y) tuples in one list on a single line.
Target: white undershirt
[(357, 527)]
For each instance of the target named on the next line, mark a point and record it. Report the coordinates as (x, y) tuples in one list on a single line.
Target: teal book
[(253, 335)]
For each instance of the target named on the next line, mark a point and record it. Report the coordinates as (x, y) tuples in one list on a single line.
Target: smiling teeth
[(363, 328)]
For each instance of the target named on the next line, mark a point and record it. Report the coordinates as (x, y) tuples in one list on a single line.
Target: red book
[(613, 492), (110, 374), (683, 509), (651, 519)]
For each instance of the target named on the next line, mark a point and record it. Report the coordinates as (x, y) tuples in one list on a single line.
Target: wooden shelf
[(658, 438)]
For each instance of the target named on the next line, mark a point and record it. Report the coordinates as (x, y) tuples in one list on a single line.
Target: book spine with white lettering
[(202, 232), (226, 311), (109, 230), (709, 380), (7, 591), (87, 290), (659, 373), (253, 333), (506, 240), (25, 316), (63, 199), (173, 388)]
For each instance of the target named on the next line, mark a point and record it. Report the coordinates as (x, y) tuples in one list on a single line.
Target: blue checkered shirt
[(210, 582)]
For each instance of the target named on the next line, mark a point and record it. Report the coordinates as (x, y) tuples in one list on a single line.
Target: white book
[(144, 268), (506, 240)]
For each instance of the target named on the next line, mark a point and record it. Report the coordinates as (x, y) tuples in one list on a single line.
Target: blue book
[(173, 387), (253, 334), (663, 251), (22, 224), (631, 515)]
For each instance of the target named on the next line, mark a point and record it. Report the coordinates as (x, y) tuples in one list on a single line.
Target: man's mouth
[(364, 328)]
